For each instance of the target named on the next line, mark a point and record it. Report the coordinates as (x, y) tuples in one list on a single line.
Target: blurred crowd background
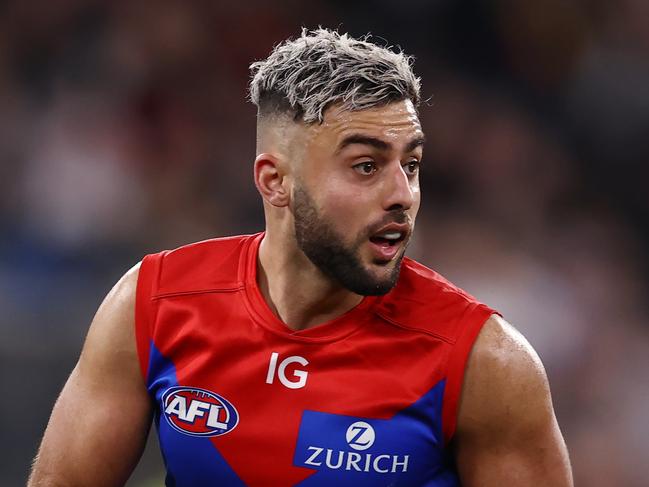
[(124, 130)]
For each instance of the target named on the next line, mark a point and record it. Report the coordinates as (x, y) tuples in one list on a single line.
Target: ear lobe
[(269, 179)]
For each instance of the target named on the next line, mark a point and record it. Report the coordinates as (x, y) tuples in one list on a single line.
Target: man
[(313, 353)]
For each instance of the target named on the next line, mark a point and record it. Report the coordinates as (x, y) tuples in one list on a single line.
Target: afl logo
[(198, 412)]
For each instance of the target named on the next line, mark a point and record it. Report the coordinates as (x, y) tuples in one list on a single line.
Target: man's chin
[(384, 276), (379, 287)]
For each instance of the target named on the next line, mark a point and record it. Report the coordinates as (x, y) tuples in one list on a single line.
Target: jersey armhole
[(470, 326), (144, 313)]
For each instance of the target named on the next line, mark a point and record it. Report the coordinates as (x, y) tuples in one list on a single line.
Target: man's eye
[(412, 167), (366, 168)]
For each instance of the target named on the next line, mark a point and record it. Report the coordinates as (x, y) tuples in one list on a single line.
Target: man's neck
[(296, 290)]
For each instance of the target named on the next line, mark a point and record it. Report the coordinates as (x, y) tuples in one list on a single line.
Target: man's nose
[(399, 189)]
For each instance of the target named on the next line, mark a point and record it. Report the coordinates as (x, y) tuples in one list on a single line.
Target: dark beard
[(324, 247)]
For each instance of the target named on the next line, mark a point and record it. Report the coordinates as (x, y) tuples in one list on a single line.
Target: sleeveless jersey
[(369, 398)]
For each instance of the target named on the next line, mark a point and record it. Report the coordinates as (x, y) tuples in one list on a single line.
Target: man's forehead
[(392, 121)]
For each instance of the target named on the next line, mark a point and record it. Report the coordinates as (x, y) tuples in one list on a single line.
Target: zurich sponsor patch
[(355, 446), (406, 449), (198, 412)]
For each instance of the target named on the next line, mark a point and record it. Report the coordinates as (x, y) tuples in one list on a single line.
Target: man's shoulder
[(426, 301), (211, 264), (506, 407)]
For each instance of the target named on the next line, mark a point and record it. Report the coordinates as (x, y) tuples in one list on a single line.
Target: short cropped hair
[(305, 76)]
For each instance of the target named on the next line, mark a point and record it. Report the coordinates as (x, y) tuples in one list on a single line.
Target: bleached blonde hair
[(305, 76)]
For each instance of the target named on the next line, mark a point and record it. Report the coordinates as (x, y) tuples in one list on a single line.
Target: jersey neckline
[(331, 330)]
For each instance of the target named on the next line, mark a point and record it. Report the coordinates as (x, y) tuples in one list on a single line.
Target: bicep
[(100, 421), (507, 431)]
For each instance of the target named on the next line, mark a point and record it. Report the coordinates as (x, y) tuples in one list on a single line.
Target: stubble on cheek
[(332, 253)]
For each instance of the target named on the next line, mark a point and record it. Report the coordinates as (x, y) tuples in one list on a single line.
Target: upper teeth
[(391, 235)]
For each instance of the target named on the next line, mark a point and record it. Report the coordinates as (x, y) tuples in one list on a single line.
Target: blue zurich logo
[(349, 448)]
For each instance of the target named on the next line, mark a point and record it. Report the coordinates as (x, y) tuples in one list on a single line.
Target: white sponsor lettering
[(376, 463), (350, 460), (311, 459), (338, 464), (272, 365), (403, 464), (300, 375)]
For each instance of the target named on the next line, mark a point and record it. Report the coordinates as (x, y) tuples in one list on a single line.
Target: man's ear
[(270, 180)]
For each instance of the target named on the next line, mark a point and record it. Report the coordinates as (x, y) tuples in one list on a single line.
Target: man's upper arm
[(100, 421), (507, 433)]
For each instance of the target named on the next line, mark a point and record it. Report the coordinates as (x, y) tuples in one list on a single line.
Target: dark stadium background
[(124, 129)]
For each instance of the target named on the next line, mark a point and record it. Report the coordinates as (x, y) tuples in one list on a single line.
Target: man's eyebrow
[(376, 142), (364, 140), (416, 142)]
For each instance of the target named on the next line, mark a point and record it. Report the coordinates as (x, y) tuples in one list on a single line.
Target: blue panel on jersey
[(407, 449), (190, 460)]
